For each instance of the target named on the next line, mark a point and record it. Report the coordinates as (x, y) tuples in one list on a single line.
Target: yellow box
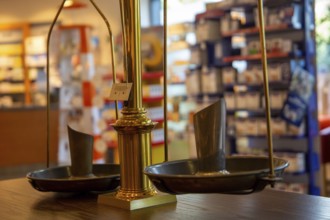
[(11, 49), (157, 154)]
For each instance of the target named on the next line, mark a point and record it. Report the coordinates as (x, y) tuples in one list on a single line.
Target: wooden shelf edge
[(153, 99), (152, 75), (271, 55)]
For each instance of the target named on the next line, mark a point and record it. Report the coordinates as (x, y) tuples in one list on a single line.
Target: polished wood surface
[(20, 201)]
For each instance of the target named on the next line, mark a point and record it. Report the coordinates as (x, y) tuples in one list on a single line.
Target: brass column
[(134, 127)]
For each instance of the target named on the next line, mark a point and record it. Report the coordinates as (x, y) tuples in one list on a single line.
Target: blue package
[(300, 91)]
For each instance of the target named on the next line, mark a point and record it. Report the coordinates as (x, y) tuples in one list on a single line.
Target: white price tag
[(120, 91)]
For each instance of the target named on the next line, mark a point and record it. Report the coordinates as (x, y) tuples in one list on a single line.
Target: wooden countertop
[(18, 200)]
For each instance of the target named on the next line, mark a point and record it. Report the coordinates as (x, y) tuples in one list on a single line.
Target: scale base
[(159, 199)]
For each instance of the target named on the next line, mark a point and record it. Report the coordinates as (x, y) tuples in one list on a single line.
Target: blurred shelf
[(210, 14), (276, 85), (152, 99), (13, 93), (301, 177), (176, 83), (152, 75), (112, 144), (159, 120), (109, 76), (281, 143), (273, 55), (157, 144), (244, 113), (255, 30)]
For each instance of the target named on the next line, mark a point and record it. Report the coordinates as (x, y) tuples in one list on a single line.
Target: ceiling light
[(73, 4)]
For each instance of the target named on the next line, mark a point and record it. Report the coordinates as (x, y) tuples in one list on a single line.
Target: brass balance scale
[(211, 172)]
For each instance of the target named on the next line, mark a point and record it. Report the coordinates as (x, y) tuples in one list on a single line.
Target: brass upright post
[(134, 127)]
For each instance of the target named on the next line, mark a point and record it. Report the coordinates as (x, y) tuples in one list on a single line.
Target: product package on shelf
[(290, 15), (229, 75), (35, 45), (277, 99), (157, 136), (195, 56), (207, 30), (154, 90), (10, 62), (156, 113), (193, 82), (279, 127), (8, 36), (253, 100), (296, 160), (292, 187), (211, 81), (152, 48), (230, 100), (301, 88), (275, 46)]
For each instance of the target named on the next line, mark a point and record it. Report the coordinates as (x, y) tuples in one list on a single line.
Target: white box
[(275, 73), (251, 126), (152, 90), (250, 76), (241, 101), (157, 136), (207, 30), (36, 45), (297, 188), (241, 127), (155, 113), (279, 126), (262, 127), (228, 75), (211, 81), (193, 82), (276, 100), (8, 36), (195, 56), (287, 46), (259, 76), (253, 100), (225, 23), (230, 100)]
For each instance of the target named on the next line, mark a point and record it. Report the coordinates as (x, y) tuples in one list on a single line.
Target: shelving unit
[(12, 53), (153, 102), (21, 111), (23, 64), (83, 103), (226, 62)]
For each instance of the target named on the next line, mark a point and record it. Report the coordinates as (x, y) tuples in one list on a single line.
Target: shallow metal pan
[(247, 175), (59, 179)]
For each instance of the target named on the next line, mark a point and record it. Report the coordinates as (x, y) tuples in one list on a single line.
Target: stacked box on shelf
[(211, 81)]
